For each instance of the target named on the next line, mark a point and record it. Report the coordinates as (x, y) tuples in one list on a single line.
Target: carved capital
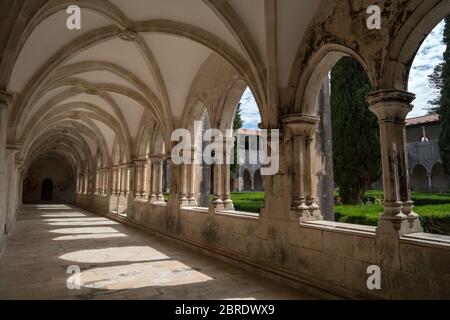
[(301, 124), (391, 105)]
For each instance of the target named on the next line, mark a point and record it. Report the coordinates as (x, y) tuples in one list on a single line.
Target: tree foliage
[(436, 83), (237, 124), (356, 146), (444, 105)]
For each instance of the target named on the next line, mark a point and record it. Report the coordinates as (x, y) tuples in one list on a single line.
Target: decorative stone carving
[(391, 108)]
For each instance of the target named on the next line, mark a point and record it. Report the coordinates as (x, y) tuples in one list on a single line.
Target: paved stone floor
[(116, 262)]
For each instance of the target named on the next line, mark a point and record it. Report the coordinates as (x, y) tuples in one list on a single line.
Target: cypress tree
[(444, 105), (237, 124), (356, 144)]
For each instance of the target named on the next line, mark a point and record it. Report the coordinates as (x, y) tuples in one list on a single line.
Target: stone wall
[(49, 167), (330, 259)]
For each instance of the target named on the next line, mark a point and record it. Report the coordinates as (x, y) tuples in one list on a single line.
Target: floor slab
[(115, 262)]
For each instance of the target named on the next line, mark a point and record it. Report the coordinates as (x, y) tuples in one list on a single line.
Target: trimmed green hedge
[(434, 209)]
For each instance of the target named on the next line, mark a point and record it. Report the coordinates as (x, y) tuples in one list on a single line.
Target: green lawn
[(434, 209)]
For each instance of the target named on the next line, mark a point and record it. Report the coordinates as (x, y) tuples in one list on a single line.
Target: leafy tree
[(237, 124), (435, 80), (444, 105), (356, 144)]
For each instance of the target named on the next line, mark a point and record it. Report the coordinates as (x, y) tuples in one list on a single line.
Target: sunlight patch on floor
[(141, 275), (88, 230), (117, 254), (90, 236)]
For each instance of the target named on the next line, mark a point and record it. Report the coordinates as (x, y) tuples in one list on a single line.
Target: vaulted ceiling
[(135, 62)]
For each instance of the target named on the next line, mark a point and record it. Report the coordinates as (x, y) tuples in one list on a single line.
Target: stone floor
[(116, 262)]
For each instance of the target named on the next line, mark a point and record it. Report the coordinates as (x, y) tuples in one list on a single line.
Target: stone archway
[(439, 180), (258, 181), (419, 179), (247, 181)]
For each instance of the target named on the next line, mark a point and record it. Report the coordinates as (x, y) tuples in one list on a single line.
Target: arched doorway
[(439, 180), (420, 179), (47, 190), (258, 181), (247, 181)]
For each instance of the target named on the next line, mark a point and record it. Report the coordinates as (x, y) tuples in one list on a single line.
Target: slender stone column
[(129, 168), (123, 180), (226, 173), (182, 196), (302, 128), (159, 184), (156, 195), (86, 182), (146, 180), (104, 189), (191, 176), (97, 182), (430, 182), (137, 179), (153, 169), (217, 202), (391, 108), (5, 102), (114, 178)]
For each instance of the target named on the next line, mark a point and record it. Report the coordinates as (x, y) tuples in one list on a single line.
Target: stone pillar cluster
[(391, 108), (156, 179), (302, 128)]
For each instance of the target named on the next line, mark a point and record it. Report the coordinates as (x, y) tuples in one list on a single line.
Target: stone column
[(104, 189), (153, 170), (391, 108), (5, 102), (97, 181), (157, 179), (182, 196), (146, 180), (13, 168), (114, 180), (430, 182), (159, 184), (217, 202), (226, 172), (302, 128), (123, 179), (192, 176), (129, 169), (80, 182), (86, 182), (137, 179)]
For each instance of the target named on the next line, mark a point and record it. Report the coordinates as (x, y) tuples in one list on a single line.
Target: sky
[(429, 55), (249, 111)]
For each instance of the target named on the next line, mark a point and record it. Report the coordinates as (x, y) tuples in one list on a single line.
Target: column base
[(217, 204), (183, 201), (228, 204), (152, 198), (192, 201), (393, 221)]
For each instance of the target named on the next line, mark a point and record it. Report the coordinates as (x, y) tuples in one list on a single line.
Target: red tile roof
[(422, 120)]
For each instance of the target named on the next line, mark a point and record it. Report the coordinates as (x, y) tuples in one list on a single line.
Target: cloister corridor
[(117, 262)]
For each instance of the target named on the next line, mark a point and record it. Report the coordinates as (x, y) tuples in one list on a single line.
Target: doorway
[(47, 190)]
